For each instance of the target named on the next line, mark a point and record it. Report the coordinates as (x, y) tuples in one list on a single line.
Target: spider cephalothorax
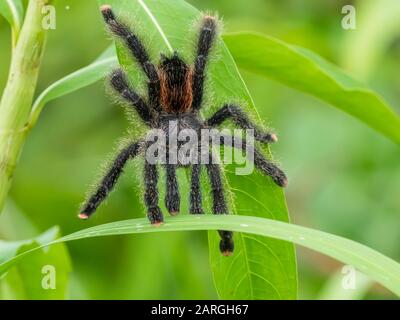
[(175, 96)]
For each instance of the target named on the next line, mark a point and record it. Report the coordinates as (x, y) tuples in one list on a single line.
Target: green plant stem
[(16, 102)]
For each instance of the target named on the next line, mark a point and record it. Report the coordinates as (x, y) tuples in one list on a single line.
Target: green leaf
[(305, 71), (252, 272), (370, 262), (75, 81), (29, 280), (13, 11)]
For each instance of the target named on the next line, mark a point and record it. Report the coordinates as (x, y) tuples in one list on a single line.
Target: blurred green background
[(344, 177)]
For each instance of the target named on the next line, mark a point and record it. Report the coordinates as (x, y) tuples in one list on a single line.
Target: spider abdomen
[(176, 94)]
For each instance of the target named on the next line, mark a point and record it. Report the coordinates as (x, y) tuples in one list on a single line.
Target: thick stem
[(16, 102)]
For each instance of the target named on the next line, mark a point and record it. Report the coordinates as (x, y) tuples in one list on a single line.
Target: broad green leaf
[(75, 81), (13, 11), (305, 71), (31, 279), (260, 268), (368, 261)]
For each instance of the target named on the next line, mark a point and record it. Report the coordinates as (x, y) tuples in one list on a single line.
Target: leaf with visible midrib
[(261, 268), (304, 70)]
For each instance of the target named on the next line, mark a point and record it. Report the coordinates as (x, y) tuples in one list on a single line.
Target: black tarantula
[(175, 93)]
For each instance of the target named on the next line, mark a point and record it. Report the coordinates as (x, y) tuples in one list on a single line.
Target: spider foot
[(83, 216), (268, 138), (280, 179), (172, 205), (226, 244), (174, 212), (107, 12), (226, 247), (86, 211), (155, 216)]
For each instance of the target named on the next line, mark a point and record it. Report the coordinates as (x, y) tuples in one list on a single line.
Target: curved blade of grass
[(370, 262), (13, 11), (76, 80), (303, 70), (253, 272)]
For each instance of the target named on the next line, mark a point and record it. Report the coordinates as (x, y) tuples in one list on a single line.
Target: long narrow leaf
[(370, 262), (303, 70), (74, 81)]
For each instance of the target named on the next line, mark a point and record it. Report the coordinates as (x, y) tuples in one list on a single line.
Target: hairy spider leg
[(241, 120), (195, 191), (226, 244), (205, 42), (172, 197), (260, 162), (109, 180), (138, 51), (151, 193), (119, 83)]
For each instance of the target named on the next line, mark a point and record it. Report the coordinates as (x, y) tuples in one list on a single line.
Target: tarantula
[(175, 93)]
